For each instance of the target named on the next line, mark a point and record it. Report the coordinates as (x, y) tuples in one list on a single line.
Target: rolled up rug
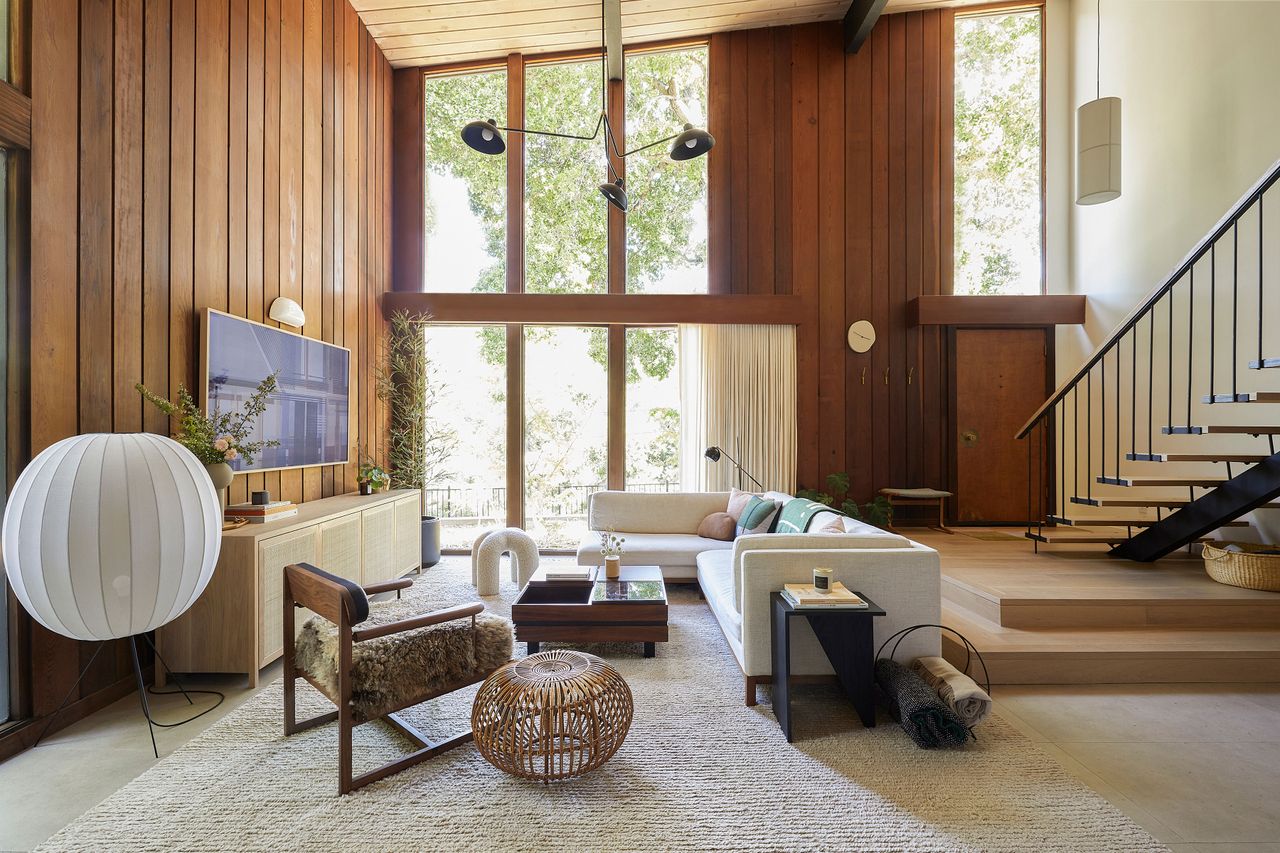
[(923, 715), (961, 693)]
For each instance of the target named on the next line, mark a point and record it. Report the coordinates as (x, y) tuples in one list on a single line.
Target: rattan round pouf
[(552, 715)]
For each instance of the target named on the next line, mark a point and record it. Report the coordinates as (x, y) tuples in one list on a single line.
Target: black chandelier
[(485, 136)]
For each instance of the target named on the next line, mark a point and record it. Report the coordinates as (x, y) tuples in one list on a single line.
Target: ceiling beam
[(859, 20), (612, 11), (598, 309)]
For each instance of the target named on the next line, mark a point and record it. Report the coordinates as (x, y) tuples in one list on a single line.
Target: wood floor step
[(1264, 363), (1156, 482), (1242, 458), (1222, 429), (1121, 522), (1113, 655), (1251, 397), (1138, 502)]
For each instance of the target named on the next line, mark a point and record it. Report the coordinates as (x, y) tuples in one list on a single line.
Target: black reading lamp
[(714, 454)]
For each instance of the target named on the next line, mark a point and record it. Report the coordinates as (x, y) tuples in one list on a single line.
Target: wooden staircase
[(1186, 383)]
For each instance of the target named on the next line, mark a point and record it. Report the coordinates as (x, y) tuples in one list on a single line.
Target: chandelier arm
[(651, 144), (530, 132)]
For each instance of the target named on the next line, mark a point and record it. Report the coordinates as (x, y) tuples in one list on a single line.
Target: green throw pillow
[(757, 516)]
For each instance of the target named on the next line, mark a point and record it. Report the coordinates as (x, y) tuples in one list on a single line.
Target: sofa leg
[(751, 690)]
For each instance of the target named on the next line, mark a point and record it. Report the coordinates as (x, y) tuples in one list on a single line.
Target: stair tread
[(1249, 397), (1132, 522), (1264, 363), (1136, 502), (1141, 482), (1222, 429), (1243, 458), (1079, 535)]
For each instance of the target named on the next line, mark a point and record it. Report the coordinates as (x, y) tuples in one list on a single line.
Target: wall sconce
[(285, 310)]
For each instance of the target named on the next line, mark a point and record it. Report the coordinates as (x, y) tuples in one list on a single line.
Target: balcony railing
[(566, 500)]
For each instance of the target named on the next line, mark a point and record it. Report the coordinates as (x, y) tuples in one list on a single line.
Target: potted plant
[(877, 512), (611, 549), (371, 478), (217, 438)]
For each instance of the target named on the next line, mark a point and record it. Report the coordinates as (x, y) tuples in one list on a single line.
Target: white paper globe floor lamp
[(110, 536)]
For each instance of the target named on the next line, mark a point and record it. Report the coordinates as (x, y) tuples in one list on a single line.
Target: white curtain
[(738, 392)]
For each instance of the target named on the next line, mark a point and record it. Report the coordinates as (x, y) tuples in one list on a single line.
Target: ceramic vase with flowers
[(217, 438), (611, 549)]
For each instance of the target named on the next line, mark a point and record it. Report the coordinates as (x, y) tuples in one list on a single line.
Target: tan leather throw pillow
[(718, 525)]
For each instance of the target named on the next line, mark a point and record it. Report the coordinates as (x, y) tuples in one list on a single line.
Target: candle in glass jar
[(822, 580)]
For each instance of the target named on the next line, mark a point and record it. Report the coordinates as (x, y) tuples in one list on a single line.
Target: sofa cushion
[(715, 576), (758, 516), (653, 512), (653, 549), (718, 525)]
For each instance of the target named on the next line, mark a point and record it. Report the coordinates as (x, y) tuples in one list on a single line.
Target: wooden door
[(1001, 377)]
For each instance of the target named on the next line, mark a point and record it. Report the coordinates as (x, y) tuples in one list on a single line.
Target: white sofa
[(737, 577)]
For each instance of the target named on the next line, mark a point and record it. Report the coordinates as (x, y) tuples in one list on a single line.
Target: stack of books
[(570, 574), (262, 513), (805, 595)]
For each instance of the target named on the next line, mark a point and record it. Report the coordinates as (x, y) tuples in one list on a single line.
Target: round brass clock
[(861, 336)]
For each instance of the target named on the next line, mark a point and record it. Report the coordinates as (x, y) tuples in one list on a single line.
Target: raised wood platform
[(1077, 617)]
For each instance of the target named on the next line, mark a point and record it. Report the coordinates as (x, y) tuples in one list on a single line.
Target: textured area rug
[(698, 771)]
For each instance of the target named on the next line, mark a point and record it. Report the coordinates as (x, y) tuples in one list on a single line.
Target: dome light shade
[(615, 194), (1098, 151), (111, 535), (484, 136), (285, 310), (693, 142)]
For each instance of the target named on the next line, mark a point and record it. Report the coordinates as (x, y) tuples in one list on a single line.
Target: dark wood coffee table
[(631, 609)]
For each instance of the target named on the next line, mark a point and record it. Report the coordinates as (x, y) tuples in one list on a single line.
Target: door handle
[(969, 437)]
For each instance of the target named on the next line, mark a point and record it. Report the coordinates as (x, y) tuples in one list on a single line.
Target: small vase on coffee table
[(612, 567)]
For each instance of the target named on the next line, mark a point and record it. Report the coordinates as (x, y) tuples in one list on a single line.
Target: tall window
[(998, 154), (466, 194), (566, 220), (667, 223)]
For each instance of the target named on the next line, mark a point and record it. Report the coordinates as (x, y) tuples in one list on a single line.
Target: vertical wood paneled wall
[(831, 181), (190, 154)]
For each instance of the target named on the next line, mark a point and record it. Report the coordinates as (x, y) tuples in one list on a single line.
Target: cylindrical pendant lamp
[(111, 535), (1098, 151)]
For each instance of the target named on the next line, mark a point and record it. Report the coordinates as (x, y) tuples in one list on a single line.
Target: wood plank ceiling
[(419, 32)]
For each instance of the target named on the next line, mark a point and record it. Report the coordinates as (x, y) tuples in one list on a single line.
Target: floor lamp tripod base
[(142, 691)]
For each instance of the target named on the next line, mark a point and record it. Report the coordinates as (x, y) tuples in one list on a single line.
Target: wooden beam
[(949, 310), (598, 309), (612, 11), (15, 118), (407, 171), (859, 20)]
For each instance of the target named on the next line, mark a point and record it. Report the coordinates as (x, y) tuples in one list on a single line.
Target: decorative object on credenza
[(216, 438), (430, 534), (877, 512), (611, 550), (485, 136), (553, 715), (253, 513), (1243, 564), (487, 551), (714, 453), (262, 498), (285, 310), (419, 446), (371, 478), (108, 536)]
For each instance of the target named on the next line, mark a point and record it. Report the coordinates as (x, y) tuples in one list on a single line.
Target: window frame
[(989, 10)]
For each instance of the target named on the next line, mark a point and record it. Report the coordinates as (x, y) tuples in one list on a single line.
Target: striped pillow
[(757, 516)]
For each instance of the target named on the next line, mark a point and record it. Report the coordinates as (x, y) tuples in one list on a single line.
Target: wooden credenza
[(238, 622)]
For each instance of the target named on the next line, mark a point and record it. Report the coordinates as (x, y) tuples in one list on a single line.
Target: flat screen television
[(309, 411)]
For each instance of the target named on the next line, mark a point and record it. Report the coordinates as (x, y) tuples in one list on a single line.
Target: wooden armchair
[(393, 663)]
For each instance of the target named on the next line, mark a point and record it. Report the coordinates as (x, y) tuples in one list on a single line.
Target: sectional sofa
[(737, 577)]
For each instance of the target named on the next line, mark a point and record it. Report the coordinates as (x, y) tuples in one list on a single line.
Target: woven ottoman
[(552, 715)]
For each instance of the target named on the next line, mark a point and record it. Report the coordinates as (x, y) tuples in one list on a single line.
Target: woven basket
[(1244, 567)]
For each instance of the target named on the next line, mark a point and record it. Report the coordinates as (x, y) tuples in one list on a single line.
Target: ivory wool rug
[(698, 771)]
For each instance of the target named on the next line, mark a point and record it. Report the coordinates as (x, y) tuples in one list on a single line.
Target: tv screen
[(307, 413)]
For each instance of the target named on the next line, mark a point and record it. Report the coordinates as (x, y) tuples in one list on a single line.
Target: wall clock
[(861, 336)]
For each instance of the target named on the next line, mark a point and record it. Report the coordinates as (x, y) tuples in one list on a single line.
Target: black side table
[(846, 636)]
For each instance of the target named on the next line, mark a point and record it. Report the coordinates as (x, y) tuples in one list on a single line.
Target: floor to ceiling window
[(550, 384), (667, 222), (999, 204), (465, 212)]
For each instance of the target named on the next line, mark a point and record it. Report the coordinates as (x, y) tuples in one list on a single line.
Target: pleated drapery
[(738, 392)]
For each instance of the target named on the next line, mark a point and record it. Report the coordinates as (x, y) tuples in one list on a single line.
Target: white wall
[(1200, 85)]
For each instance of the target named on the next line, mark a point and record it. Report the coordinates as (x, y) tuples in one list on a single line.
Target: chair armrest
[(387, 586), (434, 618)]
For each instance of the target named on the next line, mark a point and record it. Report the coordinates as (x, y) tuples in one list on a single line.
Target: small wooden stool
[(921, 497)]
